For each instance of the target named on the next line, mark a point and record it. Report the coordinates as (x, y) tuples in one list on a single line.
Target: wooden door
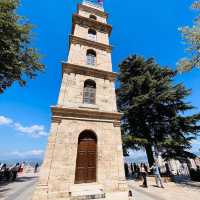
[(86, 161)]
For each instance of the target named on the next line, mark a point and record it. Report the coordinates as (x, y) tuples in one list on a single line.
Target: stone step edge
[(86, 193), (88, 197), (86, 187)]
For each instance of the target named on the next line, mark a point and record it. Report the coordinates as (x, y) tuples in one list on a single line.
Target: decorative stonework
[(92, 10), (63, 113), (90, 43), (90, 23), (88, 71)]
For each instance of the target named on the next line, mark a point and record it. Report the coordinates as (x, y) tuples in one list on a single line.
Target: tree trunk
[(149, 153)]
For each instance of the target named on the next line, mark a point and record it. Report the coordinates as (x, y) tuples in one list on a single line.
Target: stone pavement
[(172, 191), (21, 189)]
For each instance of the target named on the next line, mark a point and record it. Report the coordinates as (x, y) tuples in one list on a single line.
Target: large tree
[(17, 59), (191, 36), (153, 109)]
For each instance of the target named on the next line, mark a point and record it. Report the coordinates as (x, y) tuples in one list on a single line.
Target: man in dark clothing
[(144, 175), (132, 170), (126, 170), (36, 168)]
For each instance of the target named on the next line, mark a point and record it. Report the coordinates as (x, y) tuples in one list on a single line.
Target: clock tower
[(84, 158)]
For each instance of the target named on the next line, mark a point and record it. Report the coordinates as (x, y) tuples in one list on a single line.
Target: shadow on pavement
[(25, 179), (190, 184), (185, 181), (4, 190), (18, 179), (155, 186)]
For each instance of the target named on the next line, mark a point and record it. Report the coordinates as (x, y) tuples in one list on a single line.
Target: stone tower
[(84, 158)]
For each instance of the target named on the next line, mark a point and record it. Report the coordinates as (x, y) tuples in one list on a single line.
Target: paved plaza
[(172, 191), (23, 188)]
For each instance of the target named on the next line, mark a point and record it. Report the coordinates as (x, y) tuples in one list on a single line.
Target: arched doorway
[(86, 158)]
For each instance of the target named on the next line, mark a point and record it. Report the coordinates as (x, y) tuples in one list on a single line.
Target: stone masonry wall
[(71, 93), (77, 56), (87, 14), (82, 32), (58, 171)]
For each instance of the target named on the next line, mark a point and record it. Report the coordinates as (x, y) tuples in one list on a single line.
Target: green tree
[(191, 36), (17, 59), (153, 109)]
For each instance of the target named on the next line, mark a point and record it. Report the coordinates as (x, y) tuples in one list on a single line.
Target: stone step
[(98, 199), (87, 192), (109, 196), (89, 197), (85, 187)]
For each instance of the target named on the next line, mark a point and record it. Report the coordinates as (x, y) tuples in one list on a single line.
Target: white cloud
[(33, 131), (5, 121), (26, 154)]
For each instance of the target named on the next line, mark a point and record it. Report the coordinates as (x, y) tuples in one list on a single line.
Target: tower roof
[(97, 4)]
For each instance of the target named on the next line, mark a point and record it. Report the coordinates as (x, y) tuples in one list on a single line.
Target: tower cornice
[(59, 112), (87, 71), (90, 43), (92, 10), (90, 23)]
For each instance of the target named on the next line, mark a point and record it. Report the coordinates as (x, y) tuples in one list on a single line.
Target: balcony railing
[(94, 3)]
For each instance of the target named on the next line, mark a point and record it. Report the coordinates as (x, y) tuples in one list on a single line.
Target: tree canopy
[(191, 36), (17, 59), (153, 110)]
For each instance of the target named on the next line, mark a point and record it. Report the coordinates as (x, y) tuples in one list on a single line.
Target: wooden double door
[(86, 159)]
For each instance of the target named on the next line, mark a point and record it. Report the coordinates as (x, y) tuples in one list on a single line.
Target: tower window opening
[(93, 17), (89, 92), (91, 57), (92, 34)]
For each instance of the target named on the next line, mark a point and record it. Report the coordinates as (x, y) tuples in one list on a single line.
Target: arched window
[(89, 92), (92, 34), (91, 57), (93, 17)]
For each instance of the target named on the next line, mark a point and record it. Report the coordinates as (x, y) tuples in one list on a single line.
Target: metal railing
[(93, 3)]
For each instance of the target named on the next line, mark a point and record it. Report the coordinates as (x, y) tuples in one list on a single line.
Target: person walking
[(36, 168), (132, 170), (2, 170), (14, 170), (126, 168), (135, 167), (156, 173), (21, 167), (144, 175)]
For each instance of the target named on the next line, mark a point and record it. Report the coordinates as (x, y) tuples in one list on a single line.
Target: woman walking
[(156, 172)]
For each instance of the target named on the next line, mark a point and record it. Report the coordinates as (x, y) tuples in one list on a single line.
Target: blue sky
[(148, 28)]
